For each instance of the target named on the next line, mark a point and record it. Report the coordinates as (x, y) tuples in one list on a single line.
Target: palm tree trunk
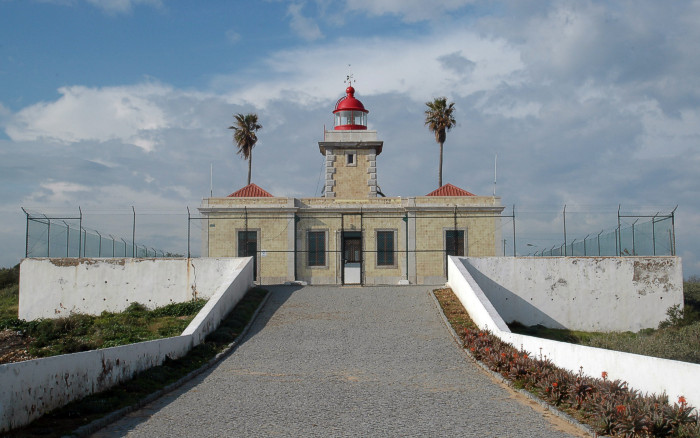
[(440, 174), (250, 161)]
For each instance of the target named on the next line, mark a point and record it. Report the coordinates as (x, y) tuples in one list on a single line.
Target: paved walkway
[(330, 361)]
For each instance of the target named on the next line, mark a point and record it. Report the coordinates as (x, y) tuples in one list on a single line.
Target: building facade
[(353, 234)]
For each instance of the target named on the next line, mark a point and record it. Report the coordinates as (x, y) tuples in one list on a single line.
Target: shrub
[(610, 406), (9, 276)]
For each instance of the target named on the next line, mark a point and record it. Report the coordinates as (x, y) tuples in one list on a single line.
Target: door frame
[(344, 237)]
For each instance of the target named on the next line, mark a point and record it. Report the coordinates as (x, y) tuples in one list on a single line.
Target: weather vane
[(349, 78)]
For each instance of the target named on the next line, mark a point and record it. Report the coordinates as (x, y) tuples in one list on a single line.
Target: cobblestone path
[(341, 361)]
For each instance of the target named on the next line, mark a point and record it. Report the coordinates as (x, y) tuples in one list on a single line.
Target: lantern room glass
[(350, 118)]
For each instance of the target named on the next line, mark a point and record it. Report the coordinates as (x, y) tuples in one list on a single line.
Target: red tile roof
[(250, 191), (450, 190)]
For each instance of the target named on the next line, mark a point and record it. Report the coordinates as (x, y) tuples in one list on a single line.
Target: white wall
[(32, 388), (581, 293), (644, 373), (52, 288)]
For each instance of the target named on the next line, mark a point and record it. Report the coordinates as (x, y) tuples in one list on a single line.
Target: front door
[(352, 258), (248, 247)]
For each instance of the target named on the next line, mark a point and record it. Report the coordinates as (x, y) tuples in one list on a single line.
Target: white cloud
[(302, 25), (122, 6), (126, 113), (232, 36), (409, 10), (385, 65)]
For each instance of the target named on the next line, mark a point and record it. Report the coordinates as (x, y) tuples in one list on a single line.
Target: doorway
[(248, 247), (352, 257)]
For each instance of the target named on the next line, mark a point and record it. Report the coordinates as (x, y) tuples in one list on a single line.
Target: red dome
[(349, 112), (349, 102)]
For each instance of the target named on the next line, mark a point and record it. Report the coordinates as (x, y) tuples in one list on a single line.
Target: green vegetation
[(677, 338), (79, 332), (9, 293), (68, 418)]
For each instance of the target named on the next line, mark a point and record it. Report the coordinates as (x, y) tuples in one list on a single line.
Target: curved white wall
[(581, 293), (644, 373), (52, 288)]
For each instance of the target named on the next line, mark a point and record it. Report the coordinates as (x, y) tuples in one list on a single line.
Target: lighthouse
[(351, 151)]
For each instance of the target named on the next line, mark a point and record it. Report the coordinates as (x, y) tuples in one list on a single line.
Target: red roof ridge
[(450, 190), (250, 191)]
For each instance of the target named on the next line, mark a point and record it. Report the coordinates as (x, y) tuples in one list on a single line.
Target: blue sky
[(109, 104)]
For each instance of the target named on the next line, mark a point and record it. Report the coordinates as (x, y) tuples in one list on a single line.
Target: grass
[(677, 338), (78, 332), (9, 302), (68, 418)]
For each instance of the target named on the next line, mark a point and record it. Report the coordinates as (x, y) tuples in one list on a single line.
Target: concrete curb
[(455, 337), (102, 422)]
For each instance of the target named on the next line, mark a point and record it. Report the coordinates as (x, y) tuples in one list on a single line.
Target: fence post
[(601, 232), (48, 237), (99, 246), (26, 234), (405, 219), (514, 253), (67, 238), (133, 234), (564, 230), (653, 233), (673, 231), (80, 232), (619, 232), (189, 219)]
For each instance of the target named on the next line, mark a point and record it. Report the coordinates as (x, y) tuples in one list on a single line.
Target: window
[(454, 242), (385, 248), (350, 159), (316, 247)]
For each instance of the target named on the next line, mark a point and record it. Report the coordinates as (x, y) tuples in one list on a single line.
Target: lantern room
[(349, 112)]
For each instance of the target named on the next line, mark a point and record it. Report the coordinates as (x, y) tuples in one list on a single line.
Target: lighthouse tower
[(351, 152)]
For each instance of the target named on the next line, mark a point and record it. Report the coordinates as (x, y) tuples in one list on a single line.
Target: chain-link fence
[(634, 234), (76, 236), (540, 232)]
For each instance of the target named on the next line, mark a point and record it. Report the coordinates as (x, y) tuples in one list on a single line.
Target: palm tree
[(245, 136), (439, 119)]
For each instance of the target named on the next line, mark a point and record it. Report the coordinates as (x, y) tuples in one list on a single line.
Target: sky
[(111, 107)]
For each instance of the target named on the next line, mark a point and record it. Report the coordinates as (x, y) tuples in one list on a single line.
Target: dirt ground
[(13, 347)]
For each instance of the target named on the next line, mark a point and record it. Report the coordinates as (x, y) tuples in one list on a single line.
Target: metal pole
[(189, 219), (99, 246), (572, 247), (601, 232), (124, 246), (48, 237), (405, 218), (296, 220), (653, 233), (619, 231), (673, 231), (564, 230), (514, 253), (634, 251), (80, 232), (112, 244), (26, 234), (584, 245), (133, 234), (67, 237)]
